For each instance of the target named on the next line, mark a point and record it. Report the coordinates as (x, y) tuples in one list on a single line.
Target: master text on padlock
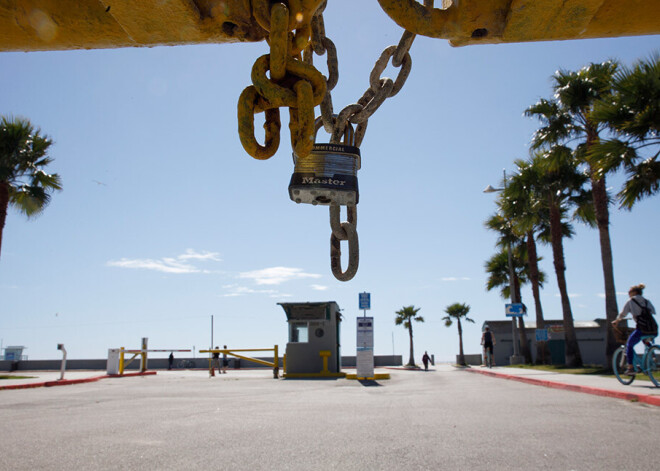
[(322, 181)]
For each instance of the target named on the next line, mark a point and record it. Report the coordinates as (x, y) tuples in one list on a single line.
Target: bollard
[(60, 346)]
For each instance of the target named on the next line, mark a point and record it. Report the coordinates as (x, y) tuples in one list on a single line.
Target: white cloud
[(176, 265), (237, 290), (570, 295), (204, 255), (276, 275), (455, 278), (318, 287)]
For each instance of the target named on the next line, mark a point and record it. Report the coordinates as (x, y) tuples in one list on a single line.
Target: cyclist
[(634, 306), (488, 340)]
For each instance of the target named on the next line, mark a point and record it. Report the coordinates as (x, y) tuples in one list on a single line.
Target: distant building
[(14, 353), (591, 336)]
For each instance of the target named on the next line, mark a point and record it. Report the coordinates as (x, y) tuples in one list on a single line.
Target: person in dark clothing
[(170, 361), (634, 306), (225, 361), (488, 341), (425, 360), (215, 362)]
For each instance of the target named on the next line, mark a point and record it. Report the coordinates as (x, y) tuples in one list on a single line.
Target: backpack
[(645, 321)]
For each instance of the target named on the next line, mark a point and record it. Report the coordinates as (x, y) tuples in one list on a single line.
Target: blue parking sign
[(365, 300), (542, 335), (513, 310)]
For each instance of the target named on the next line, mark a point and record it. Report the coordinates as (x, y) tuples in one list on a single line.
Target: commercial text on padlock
[(327, 175)]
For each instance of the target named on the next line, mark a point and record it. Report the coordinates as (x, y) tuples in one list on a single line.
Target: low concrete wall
[(162, 363), (471, 359)]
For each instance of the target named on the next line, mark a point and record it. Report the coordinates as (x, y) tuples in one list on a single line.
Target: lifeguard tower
[(313, 349)]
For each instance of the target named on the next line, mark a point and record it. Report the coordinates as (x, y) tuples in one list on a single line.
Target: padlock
[(328, 174)]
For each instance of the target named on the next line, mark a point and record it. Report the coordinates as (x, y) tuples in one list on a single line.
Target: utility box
[(313, 332), (113, 361)]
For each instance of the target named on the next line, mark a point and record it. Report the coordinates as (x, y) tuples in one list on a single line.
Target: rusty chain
[(344, 231), (296, 31), (292, 82), (357, 113)]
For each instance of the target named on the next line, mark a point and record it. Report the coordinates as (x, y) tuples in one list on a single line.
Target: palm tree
[(633, 114), (498, 269), (458, 311), (568, 118), (405, 316), (530, 217), (23, 183), (559, 182)]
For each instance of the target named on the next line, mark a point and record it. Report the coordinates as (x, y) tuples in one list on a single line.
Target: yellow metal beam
[(33, 25), (465, 22)]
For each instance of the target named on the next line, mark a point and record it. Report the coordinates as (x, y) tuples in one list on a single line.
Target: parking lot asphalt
[(639, 390), (246, 420)]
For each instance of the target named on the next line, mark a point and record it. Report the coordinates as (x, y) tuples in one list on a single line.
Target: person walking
[(225, 362), (170, 361), (215, 362), (425, 360), (639, 307), (488, 341)]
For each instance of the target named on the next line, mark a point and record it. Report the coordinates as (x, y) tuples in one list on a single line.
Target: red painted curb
[(644, 398), (66, 382)]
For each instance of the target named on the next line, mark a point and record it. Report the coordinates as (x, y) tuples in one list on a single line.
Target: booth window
[(299, 332)]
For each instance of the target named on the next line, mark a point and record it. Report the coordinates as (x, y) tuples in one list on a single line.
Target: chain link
[(344, 231)]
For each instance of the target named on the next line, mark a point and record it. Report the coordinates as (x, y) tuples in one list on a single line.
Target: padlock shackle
[(349, 132)]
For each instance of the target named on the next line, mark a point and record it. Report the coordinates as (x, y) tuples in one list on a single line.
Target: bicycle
[(186, 364), (648, 363)]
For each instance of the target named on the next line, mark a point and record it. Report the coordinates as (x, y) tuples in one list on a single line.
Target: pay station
[(313, 346)]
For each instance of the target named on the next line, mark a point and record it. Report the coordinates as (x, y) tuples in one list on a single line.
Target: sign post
[(365, 347), (365, 339)]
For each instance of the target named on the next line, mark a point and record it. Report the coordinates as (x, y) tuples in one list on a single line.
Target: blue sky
[(165, 220)]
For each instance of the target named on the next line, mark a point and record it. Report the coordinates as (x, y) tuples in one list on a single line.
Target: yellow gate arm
[(275, 364)]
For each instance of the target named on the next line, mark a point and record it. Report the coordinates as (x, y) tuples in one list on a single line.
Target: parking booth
[(313, 349)]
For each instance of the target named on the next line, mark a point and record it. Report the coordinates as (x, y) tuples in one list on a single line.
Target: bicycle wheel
[(653, 365), (619, 365)]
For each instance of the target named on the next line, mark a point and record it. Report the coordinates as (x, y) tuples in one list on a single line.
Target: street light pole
[(516, 358)]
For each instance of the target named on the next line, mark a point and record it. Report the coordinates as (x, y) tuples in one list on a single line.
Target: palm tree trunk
[(573, 356), (4, 204), (524, 345), (542, 350), (461, 355), (601, 207), (411, 361)]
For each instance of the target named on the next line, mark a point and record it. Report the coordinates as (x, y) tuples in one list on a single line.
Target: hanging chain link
[(296, 31)]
